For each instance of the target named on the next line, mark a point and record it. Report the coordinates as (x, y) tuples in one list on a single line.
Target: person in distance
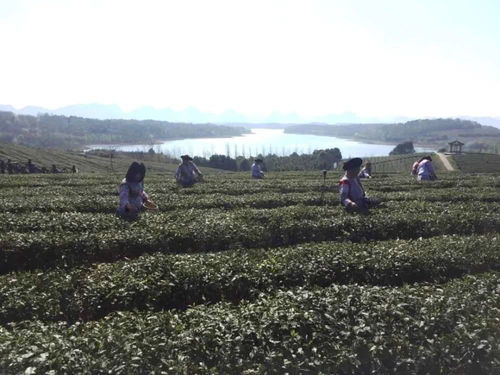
[(352, 194), (414, 167), (366, 172), (132, 194), (425, 170), (187, 173), (257, 169)]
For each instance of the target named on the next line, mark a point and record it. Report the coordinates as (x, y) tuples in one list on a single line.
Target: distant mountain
[(193, 115), (491, 121), (55, 130), (97, 111), (7, 108), (31, 110), (425, 132)]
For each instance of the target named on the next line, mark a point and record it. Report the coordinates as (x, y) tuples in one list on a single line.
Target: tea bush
[(243, 276)]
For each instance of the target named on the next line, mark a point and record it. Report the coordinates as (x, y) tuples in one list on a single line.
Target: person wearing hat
[(132, 194), (257, 169), (366, 172), (352, 194), (425, 170), (187, 173)]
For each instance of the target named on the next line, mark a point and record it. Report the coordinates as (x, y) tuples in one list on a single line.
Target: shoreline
[(145, 146), (156, 142), (368, 141)]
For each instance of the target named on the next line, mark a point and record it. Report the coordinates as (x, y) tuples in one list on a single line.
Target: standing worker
[(187, 173), (257, 169), (352, 194), (425, 170)]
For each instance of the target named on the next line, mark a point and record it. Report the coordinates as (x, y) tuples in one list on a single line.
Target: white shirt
[(351, 190), (425, 170)]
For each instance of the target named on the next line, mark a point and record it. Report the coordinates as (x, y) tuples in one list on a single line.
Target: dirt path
[(445, 161)]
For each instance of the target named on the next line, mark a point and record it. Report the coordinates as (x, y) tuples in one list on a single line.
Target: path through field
[(445, 161)]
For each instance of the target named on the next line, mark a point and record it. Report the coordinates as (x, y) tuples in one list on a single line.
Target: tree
[(403, 148), (245, 165), (326, 158)]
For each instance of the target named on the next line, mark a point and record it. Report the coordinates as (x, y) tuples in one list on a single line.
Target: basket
[(150, 205)]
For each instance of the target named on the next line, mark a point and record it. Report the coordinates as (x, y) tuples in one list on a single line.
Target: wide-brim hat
[(259, 160), (186, 157), (352, 164)]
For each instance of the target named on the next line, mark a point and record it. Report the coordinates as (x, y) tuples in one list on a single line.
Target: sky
[(415, 58)]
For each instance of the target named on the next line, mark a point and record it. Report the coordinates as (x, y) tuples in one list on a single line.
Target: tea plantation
[(250, 276)]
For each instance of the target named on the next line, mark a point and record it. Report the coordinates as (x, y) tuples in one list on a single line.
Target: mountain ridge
[(228, 117)]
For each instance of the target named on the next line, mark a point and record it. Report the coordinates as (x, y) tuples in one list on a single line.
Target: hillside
[(47, 130), (88, 162), (431, 133)]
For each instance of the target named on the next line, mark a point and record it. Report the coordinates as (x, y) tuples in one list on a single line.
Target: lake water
[(260, 141)]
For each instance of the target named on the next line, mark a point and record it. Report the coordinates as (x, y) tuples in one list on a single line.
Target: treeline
[(319, 159), (436, 131), (56, 131)]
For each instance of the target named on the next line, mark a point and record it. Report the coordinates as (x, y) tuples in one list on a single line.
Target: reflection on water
[(260, 141)]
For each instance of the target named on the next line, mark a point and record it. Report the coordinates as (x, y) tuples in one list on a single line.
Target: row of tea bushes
[(165, 281), (215, 230), (445, 329), (90, 202)]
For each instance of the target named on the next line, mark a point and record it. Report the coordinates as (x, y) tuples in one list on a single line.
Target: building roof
[(455, 142)]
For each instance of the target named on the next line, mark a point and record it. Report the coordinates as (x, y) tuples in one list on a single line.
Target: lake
[(260, 141)]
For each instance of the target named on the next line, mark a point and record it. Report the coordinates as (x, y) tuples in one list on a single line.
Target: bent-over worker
[(352, 194), (425, 169), (366, 172), (132, 194), (257, 169), (187, 173)]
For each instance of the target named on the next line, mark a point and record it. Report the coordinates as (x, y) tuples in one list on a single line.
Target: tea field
[(478, 162), (250, 276)]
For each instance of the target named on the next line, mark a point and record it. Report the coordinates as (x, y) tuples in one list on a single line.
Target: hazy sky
[(371, 57)]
